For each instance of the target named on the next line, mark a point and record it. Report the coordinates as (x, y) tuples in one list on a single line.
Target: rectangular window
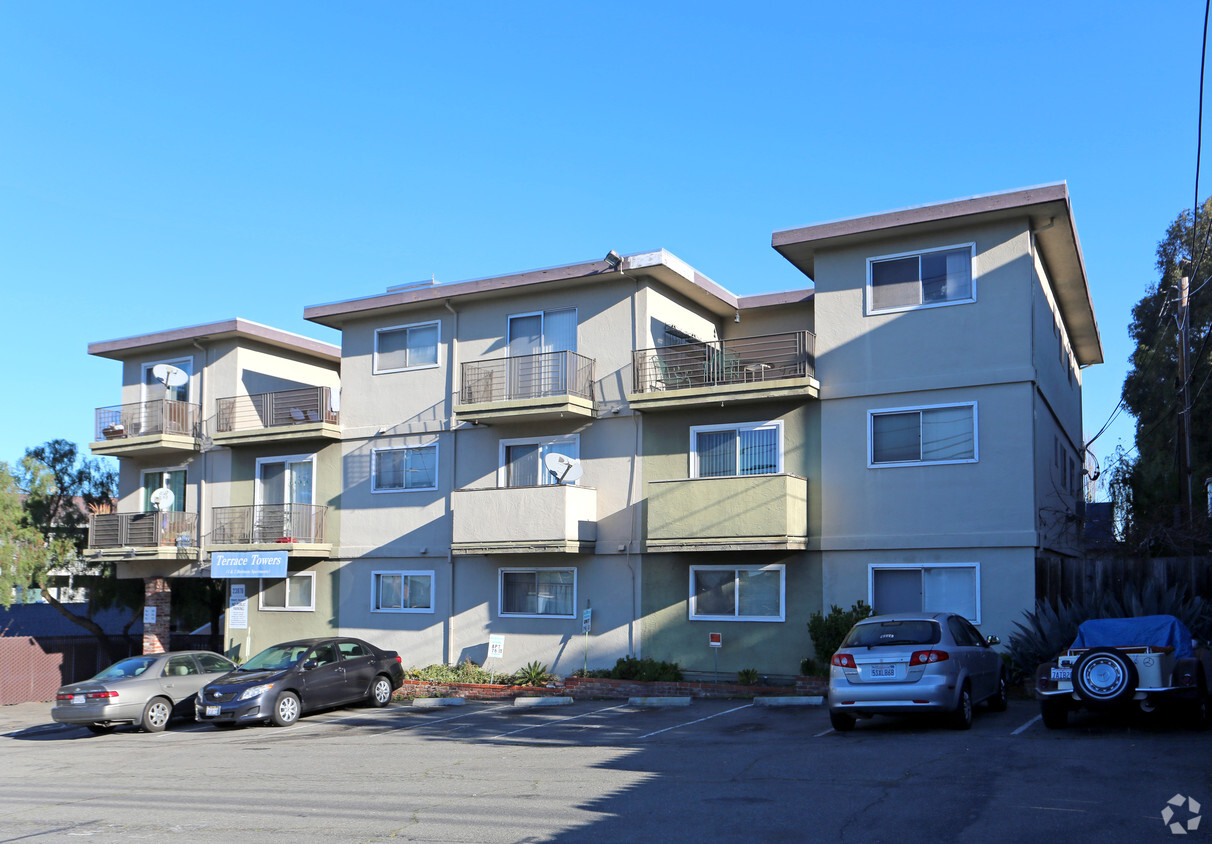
[(173, 480), (402, 591), (295, 592), (404, 347), (522, 460), (544, 593), (921, 279), (720, 451), (948, 587), (404, 469), (911, 436), (737, 593)]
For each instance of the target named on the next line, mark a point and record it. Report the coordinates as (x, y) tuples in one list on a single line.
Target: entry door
[(282, 485), (163, 408), (533, 370)]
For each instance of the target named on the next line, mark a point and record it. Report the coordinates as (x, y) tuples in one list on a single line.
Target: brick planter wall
[(472, 691), (594, 687)]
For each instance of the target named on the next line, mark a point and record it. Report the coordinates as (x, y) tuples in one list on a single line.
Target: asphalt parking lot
[(603, 770)]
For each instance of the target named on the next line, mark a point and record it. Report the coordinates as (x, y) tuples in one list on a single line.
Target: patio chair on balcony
[(672, 376)]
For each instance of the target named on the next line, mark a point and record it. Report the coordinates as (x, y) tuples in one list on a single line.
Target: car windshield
[(126, 668), (275, 659), (881, 633)]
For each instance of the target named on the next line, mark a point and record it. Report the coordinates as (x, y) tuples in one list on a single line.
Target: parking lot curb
[(659, 701), (809, 700), (542, 701), (434, 702)]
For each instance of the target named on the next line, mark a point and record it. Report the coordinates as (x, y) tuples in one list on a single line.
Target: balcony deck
[(145, 544), (549, 385), (750, 512), (147, 429), (299, 529), (301, 414), (525, 520)]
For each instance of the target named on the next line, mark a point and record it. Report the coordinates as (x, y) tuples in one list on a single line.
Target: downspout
[(453, 363), (633, 646), (202, 432)]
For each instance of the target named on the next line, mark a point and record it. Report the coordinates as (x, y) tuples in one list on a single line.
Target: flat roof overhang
[(234, 329)]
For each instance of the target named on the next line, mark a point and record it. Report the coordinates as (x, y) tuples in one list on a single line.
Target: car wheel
[(961, 717), (1104, 677), (1001, 698), (286, 710), (100, 729), (380, 691), (156, 714), (1054, 713), (841, 722)]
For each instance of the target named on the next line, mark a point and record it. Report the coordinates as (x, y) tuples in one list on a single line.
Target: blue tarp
[(1158, 631)]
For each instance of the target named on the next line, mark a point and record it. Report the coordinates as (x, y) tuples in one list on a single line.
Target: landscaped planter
[(471, 691), (606, 688)]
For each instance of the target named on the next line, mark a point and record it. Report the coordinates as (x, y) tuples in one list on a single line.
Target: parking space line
[(548, 723), (1025, 726), (824, 733), (697, 721)]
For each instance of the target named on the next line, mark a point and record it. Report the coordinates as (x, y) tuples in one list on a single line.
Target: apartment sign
[(248, 564)]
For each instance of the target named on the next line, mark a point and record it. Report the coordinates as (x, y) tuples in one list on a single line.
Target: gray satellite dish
[(563, 468), (169, 375), (163, 499)]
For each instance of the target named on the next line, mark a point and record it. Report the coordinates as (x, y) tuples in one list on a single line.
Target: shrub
[(533, 674), (464, 672), (827, 631), (809, 667), (747, 677), (646, 669), (596, 673)]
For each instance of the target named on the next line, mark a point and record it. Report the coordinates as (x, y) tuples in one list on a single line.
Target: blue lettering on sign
[(248, 564)]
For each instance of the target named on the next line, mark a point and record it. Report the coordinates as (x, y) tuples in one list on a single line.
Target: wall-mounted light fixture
[(614, 259)]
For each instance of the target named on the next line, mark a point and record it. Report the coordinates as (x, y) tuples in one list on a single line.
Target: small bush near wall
[(827, 631), (646, 669)]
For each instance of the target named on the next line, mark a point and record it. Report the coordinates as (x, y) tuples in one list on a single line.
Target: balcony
[(147, 428), (301, 414), (747, 513), (525, 520), (155, 536), (744, 369), (549, 385), (300, 529)]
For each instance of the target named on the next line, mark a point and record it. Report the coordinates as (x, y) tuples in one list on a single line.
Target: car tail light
[(101, 695), (927, 657), (63, 697), (399, 659), (843, 661)]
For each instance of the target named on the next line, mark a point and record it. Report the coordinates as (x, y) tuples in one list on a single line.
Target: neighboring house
[(906, 431)]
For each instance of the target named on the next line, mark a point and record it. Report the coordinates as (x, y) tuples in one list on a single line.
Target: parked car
[(1115, 663), (145, 690), (284, 681), (907, 663)]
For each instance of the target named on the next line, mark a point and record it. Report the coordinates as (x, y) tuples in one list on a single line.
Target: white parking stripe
[(548, 723), (1025, 726), (696, 721), (824, 733)]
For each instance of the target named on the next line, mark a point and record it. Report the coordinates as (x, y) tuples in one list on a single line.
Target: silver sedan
[(145, 690), (915, 662)]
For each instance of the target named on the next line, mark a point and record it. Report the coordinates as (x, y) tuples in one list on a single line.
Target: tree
[(1148, 488)]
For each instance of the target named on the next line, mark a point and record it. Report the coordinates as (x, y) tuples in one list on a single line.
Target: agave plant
[(532, 674)]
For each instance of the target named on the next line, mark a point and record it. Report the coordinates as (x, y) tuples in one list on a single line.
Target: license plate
[(1062, 673), (881, 671), (77, 700), (212, 711)]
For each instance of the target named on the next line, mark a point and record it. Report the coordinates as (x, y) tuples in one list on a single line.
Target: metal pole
[(1184, 416)]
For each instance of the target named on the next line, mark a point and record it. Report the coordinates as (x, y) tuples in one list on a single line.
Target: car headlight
[(256, 691)]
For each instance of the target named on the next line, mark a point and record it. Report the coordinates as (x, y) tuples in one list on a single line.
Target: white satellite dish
[(163, 499), (563, 468), (169, 375)]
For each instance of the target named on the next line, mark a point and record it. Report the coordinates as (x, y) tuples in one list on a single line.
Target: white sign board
[(237, 612), (149, 615), (586, 620), (496, 647)]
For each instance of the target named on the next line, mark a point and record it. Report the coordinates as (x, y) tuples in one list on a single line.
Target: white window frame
[(695, 430), (501, 572), (502, 467), (143, 482), (189, 385), (976, 567), (779, 567), (375, 577), (870, 289), (289, 575), (889, 411), (287, 458), (374, 474), (378, 370)]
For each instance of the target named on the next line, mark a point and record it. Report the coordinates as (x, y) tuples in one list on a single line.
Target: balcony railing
[(141, 419), (143, 530), (257, 524), (527, 377), (271, 410), (738, 361)]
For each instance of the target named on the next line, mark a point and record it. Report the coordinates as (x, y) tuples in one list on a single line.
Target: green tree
[(1148, 487)]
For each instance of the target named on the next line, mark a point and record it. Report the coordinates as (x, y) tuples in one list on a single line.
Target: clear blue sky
[(169, 164)]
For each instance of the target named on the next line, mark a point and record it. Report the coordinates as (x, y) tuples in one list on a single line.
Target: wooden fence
[(1084, 579)]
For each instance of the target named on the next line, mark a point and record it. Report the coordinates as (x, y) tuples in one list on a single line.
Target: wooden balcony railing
[(146, 418), (270, 410), (143, 530), (255, 524), (527, 377), (737, 361)]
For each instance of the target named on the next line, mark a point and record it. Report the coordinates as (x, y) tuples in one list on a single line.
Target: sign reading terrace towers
[(248, 564)]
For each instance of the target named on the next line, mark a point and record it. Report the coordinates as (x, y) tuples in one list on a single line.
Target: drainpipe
[(452, 362)]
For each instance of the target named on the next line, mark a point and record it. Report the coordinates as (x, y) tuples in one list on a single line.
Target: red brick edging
[(596, 687)]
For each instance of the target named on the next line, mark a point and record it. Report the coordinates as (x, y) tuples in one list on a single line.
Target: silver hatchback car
[(915, 662)]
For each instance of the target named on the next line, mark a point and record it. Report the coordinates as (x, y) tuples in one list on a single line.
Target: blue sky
[(170, 164)]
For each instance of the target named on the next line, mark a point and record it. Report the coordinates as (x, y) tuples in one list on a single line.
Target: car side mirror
[(993, 640), (310, 664)]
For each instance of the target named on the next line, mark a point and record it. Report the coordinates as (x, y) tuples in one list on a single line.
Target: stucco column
[(157, 593)]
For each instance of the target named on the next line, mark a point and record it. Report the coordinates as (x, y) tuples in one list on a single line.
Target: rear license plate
[(1062, 673), (883, 671), (77, 700), (212, 711)]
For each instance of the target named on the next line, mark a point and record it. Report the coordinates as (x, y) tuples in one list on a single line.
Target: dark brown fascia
[(232, 328)]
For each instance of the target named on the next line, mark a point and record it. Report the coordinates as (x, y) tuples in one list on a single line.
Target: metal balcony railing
[(164, 416), (143, 530), (527, 377), (270, 410), (256, 524), (737, 361)]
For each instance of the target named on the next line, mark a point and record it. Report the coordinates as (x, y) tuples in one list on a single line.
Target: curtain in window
[(522, 464), (715, 592), (422, 345), (947, 433), (716, 452), (392, 349), (405, 347), (421, 470), (554, 593), (389, 470), (896, 437), (895, 284), (417, 588), (152, 481), (759, 593), (390, 592), (759, 451)]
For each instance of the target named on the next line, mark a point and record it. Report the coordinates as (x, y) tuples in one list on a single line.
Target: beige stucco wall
[(268, 627)]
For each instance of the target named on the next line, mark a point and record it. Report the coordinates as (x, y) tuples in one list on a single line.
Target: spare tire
[(1104, 677)]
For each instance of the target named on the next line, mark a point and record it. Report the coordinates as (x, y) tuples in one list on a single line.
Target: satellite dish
[(563, 468), (163, 499), (169, 375)]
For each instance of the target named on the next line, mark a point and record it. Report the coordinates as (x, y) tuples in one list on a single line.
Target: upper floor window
[(407, 347), (920, 279), (523, 460), (156, 386), (719, 451), (171, 479), (413, 467), (909, 436)]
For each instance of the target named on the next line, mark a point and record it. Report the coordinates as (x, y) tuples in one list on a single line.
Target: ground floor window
[(943, 587), (402, 591), (295, 592), (737, 593), (548, 593)]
